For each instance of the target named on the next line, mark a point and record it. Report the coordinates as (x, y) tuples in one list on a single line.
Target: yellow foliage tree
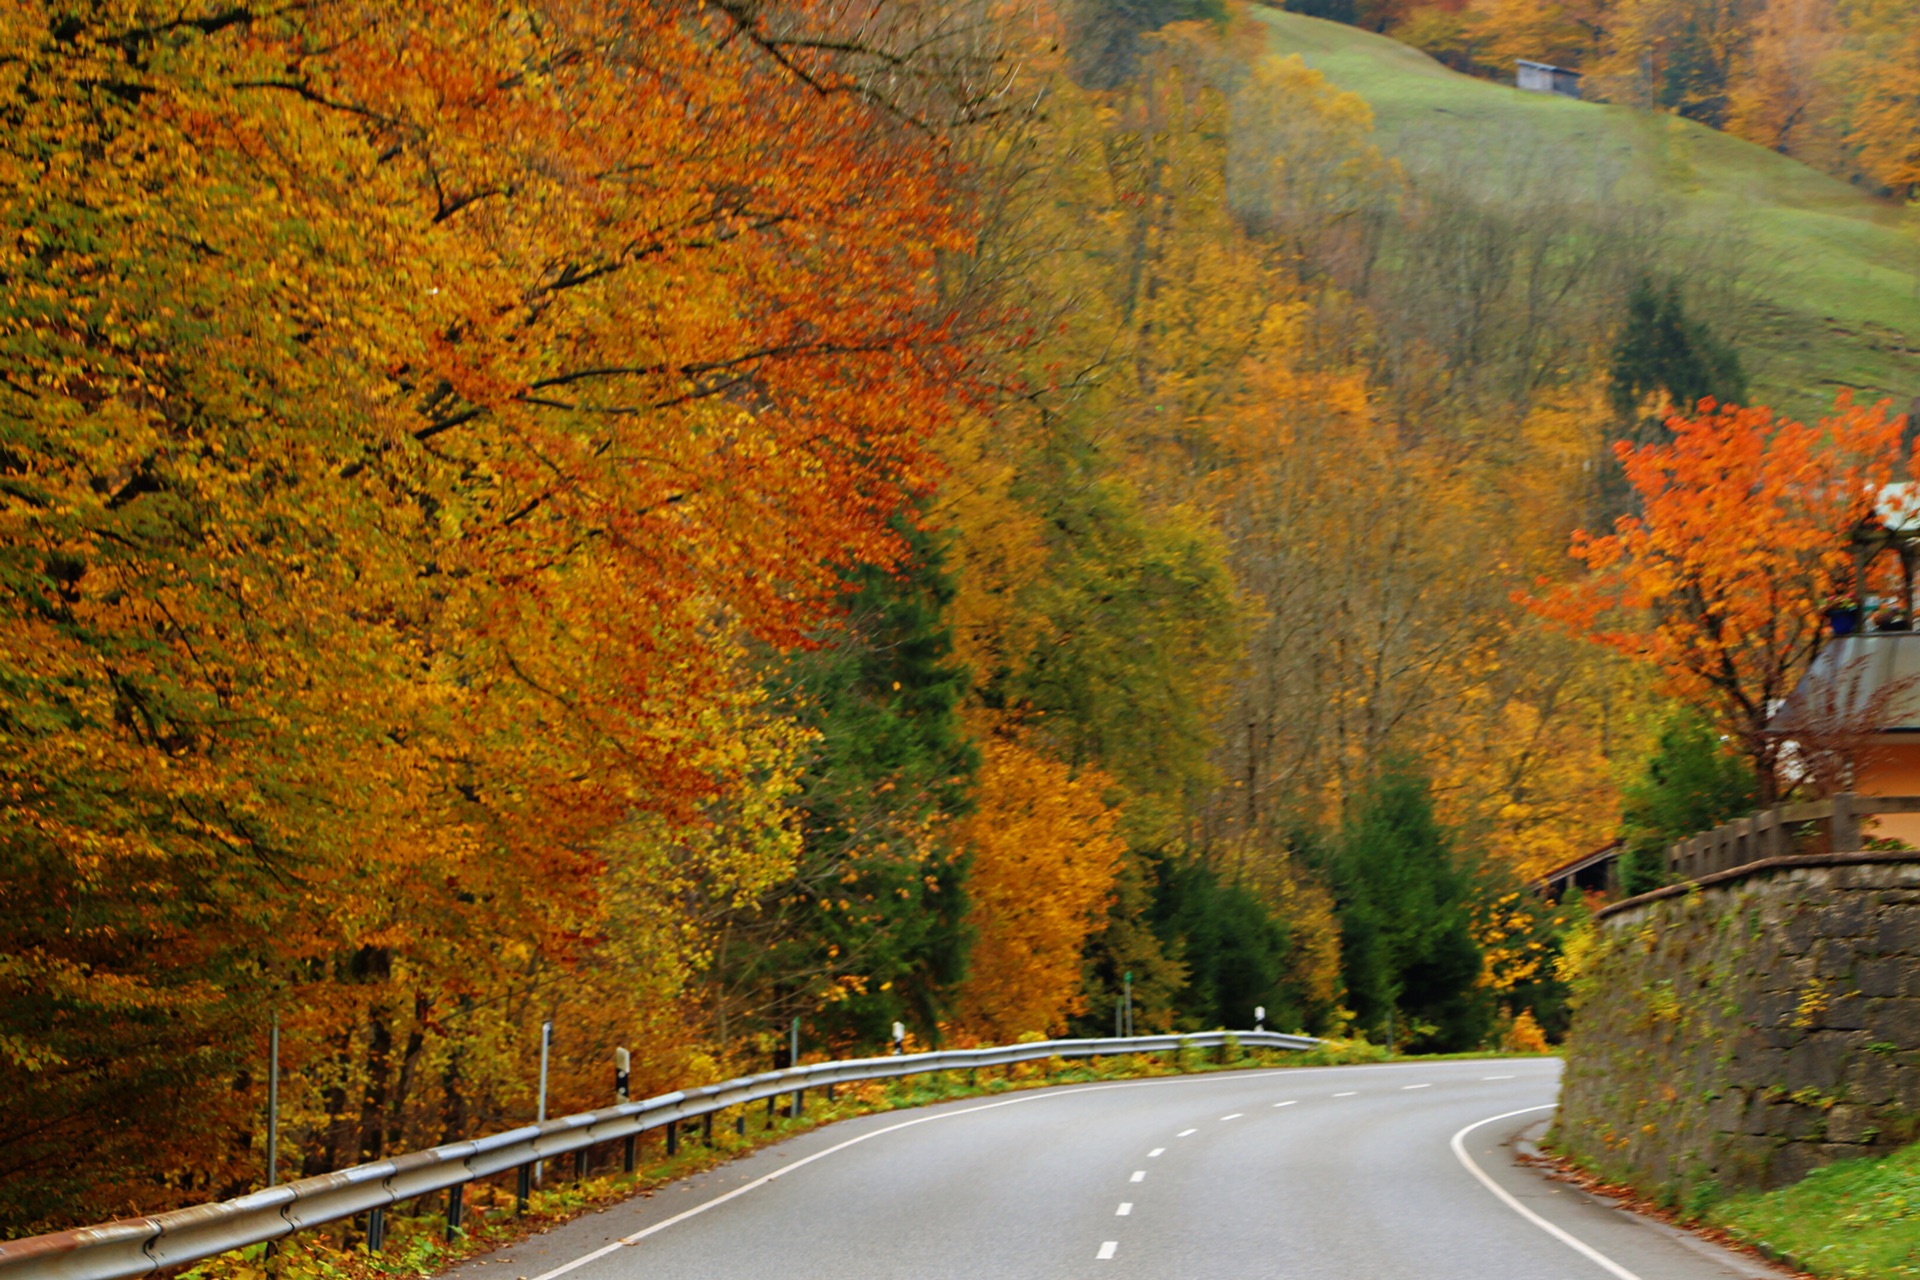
[(1044, 854)]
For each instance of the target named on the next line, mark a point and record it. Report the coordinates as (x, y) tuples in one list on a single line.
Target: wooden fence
[(1836, 825)]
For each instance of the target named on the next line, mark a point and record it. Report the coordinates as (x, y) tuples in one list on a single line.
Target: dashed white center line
[(1289, 1102), (1106, 1250), (1156, 1151), (1235, 1116), (1126, 1207), (1416, 1086), (1496, 1077), (1349, 1094), (1139, 1175), (1186, 1133)]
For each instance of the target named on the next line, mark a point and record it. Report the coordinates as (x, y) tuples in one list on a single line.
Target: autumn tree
[(1042, 852), (1743, 535), (413, 417)]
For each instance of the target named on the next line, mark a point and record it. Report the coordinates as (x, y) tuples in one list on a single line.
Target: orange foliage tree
[(410, 417), (1719, 583), (1044, 852)]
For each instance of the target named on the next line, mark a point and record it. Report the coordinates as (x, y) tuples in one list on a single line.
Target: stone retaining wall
[(1741, 1031)]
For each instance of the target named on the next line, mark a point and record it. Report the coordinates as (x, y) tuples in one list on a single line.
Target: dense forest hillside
[(1826, 273)]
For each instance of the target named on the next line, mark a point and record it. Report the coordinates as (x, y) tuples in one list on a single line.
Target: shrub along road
[(1334, 1173)]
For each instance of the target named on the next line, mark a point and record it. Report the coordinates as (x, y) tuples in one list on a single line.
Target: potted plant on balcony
[(1842, 614)]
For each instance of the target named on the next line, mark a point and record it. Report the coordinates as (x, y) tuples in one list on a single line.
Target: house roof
[(1547, 66), (1868, 682)]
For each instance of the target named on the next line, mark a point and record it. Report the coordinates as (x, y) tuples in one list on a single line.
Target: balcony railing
[(1841, 824)]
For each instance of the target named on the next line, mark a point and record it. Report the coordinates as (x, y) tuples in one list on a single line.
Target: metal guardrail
[(137, 1246), (1822, 826)]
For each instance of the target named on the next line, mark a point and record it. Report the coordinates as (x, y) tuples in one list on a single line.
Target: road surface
[(1329, 1173)]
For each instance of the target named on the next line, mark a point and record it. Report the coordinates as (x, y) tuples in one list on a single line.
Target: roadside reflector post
[(546, 1045), (273, 1098)]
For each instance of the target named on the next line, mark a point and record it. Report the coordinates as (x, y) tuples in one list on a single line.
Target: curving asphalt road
[(1329, 1173)]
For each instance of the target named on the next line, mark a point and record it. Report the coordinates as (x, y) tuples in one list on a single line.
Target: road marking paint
[(1106, 1250), (1156, 1151), (1349, 1094), (1496, 1077), (1505, 1197), (1416, 1086), (1139, 1175), (1126, 1207), (1289, 1102), (1186, 1133), (1037, 1095), (1235, 1116)]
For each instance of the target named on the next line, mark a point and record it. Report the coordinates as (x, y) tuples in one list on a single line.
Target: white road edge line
[(1033, 1096), (1586, 1250), (1496, 1077), (1107, 1249)]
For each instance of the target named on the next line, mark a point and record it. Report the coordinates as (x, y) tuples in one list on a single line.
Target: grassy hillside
[(1838, 269)]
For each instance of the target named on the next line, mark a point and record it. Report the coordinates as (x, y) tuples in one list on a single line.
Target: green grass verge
[(416, 1243), (1857, 1220), (1839, 267)]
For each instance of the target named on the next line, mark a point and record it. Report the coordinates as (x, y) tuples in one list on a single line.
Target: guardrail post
[(581, 1160), (706, 1129), (523, 1190), (673, 1138), (770, 1105), (740, 1123), (627, 1160), (456, 1208), (829, 1091), (376, 1229), (799, 1104)]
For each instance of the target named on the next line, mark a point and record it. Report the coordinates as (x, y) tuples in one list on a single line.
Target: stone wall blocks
[(1846, 1013), (1834, 957), (1687, 1061), (1895, 1022), (1874, 1079), (1898, 935), (1847, 917), (1848, 1123), (1883, 977)]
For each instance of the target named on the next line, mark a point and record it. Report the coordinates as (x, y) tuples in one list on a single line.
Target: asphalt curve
[(1331, 1173)]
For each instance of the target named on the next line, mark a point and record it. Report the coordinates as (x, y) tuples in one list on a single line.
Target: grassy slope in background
[(1840, 269)]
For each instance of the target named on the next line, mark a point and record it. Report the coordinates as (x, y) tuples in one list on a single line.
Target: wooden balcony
[(1842, 824)]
